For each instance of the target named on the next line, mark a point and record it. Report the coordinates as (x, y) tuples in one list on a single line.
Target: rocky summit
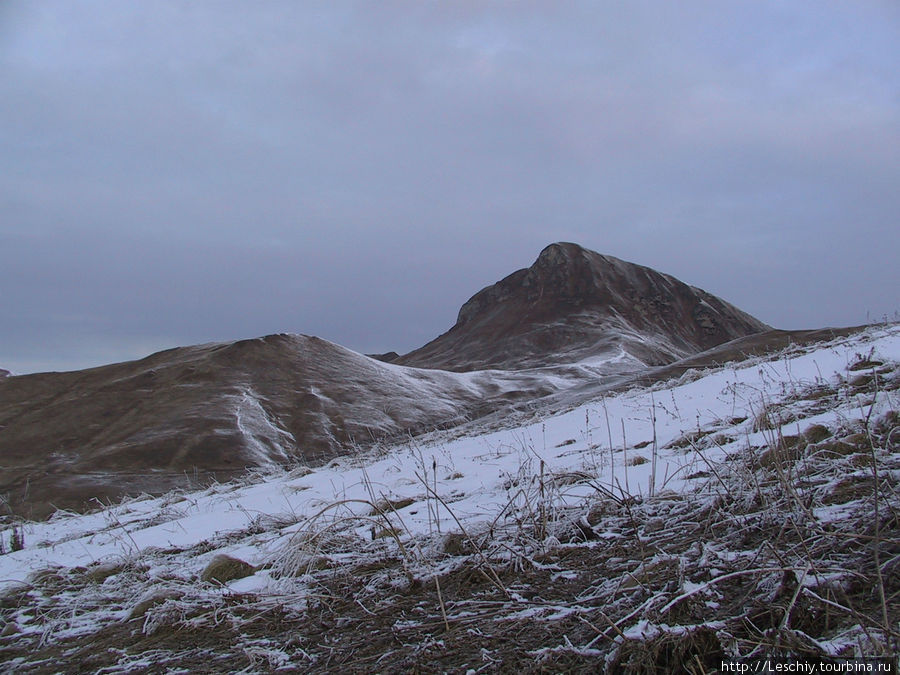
[(574, 304)]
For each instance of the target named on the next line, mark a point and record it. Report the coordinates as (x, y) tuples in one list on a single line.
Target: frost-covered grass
[(746, 510)]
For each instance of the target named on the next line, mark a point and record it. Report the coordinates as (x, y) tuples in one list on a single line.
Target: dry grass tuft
[(692, 651), (223, 568)]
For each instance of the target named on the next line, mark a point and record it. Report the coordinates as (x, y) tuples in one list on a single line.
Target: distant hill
[(574, 304)]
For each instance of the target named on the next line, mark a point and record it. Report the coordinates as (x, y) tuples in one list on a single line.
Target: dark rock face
[(573, 304), (4, 373)]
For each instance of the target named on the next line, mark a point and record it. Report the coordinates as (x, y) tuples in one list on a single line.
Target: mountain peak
[(560, 253), (574, 303), (565, 271)]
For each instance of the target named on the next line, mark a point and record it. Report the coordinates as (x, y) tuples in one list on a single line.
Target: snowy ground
[(797, 426)]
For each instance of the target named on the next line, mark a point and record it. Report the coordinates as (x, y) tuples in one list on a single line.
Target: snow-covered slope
[(680, 476)]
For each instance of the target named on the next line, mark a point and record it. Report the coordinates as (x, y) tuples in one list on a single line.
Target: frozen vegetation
[(743, 511)]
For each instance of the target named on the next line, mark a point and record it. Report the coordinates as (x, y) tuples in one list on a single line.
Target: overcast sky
[(176, 172)]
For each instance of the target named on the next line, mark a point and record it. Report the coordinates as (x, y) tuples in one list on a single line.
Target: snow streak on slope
[(264, 439), (527, 487)]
